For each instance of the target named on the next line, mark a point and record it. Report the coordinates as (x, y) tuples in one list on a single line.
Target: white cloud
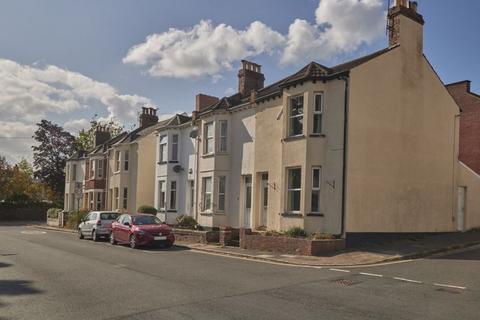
[(30, 93), (206, 50), (74, 126)]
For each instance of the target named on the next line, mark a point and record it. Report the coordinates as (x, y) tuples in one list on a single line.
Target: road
[(53, 275)]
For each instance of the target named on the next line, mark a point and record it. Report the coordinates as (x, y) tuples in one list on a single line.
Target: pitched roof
[(312, 71)]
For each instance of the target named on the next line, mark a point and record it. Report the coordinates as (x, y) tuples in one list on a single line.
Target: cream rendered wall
[(471, 180), (401, 145), (119, 179), (274, 155), (143, 171)]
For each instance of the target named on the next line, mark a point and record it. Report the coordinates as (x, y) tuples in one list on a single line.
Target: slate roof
[(312, 71)]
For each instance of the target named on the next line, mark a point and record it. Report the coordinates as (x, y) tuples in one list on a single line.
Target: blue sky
[(87, 45)]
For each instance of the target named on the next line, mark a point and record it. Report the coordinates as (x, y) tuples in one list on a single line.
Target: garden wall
[(196, 236), (15, 212)]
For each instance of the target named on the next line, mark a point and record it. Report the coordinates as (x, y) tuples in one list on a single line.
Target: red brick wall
[(469, 103)]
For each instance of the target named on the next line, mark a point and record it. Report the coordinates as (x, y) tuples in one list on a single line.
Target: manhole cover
[(33, 232), (345, 282)]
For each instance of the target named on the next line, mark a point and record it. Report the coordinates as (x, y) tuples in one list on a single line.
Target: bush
[(321, 236), (75, 218), (296, 232), (147, 209), (52, 213), (187, 222)]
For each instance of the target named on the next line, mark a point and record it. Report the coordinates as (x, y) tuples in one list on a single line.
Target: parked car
[(97, 224), (141, 230)]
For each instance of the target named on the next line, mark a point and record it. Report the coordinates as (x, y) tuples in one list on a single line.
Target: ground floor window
[(125, 198), (173, 195), (117, 198), (98, 202), (207, 193), (221, 193), (161, 195), (294, 189), (316, 183)]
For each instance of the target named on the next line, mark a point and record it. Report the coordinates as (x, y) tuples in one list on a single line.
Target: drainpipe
[(195, 182), (346, 79)]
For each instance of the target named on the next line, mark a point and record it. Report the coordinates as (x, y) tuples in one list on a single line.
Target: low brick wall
[(229, 237), (287, 245), (33, 212), (196, 236)]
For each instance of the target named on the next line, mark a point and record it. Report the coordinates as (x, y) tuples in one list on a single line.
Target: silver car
[(97, 224)]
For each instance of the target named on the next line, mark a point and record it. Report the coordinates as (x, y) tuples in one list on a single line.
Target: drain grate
[(345, 282)]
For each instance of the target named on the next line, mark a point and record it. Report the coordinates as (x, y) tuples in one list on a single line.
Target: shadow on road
[(20, 223), (17, 287), (4, 265)]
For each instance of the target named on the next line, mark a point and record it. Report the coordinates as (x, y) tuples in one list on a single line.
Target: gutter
[(346, 79)]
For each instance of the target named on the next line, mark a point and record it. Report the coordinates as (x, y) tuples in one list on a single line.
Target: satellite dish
[(194, 133), (177, 168)]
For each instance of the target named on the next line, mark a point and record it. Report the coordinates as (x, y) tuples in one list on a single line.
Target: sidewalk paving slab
[(376, 253)]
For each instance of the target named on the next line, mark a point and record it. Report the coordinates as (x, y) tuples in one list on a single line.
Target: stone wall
[(195, 236)]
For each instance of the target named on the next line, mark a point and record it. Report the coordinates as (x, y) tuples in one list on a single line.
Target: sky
[(69, 61)]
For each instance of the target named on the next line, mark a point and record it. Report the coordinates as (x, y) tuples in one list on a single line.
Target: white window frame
[(318, 113), (125, 198), (163, 151), (222, 193), (291, 189), (162, 202), (223, 146), (99, 164), (208, 138), (116, 192), (98, 201), (205, 194), (174, 156), (126, 160), (173, 195), (92, 169), (299, 116), (316, 189), (116, 156)]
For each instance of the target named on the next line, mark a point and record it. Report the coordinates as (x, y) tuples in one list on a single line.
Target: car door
[(124, 230), (116, 228), (91, 222), (83, 225)]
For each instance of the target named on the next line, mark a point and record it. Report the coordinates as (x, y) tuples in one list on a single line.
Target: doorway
[(264, 200), (248, 202), (462, 198)]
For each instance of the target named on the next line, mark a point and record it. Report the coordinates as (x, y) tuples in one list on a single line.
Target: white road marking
[(371, 274), (339, 270), (407, 280), (33, 232), (449, 286)]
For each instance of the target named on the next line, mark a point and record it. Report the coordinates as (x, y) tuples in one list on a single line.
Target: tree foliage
[(54, 147), (84, 140)]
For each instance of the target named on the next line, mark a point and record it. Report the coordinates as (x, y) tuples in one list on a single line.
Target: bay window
[(208, 137), (221, 193), (207, 193), (173, 195), (223, 135), (161, 195), (294, 189), (175, 147), (163, 149), (316, 184), (318, 113), (295, 116)]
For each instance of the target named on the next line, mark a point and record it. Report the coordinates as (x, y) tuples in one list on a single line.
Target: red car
[(141, 230)]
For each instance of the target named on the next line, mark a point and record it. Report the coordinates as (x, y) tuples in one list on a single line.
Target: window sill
[(315, 214), (162, 162), (317, 135), (208, 155), (291, 215), (206, 214), (294, 138)]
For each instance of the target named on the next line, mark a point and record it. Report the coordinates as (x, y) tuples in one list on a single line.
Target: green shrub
[(75, 218), (295, 232), (321, 236), (187, 222), (53, 213), (147, 209)]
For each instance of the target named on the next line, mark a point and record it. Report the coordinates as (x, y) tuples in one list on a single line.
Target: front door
[(264, 200), (248, 202), (462, 196)]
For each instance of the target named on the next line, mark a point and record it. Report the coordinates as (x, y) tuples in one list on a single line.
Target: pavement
[(374, 253), (53, 275)]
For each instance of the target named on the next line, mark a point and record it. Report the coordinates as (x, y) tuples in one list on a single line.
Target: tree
[(5, 175), (84, 140), (54, 147)]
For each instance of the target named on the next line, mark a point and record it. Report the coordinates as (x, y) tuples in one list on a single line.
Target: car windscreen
[(108, 216), (140, 220)]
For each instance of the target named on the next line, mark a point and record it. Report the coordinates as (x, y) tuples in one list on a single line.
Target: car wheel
[(133, 242), (80, 234), (94, 235), (112, 239)]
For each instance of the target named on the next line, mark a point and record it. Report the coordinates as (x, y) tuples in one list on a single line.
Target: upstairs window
[(294, 190), (126, 159), (92, 169), (175, 147), (208, 138), (295, 116), (318, 113), (223, 135), (99, 165), (117, 161), (163, 149), (316, 183)]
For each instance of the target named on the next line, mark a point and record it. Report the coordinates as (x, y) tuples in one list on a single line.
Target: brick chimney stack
[(202, 101), (101, 135), (405, 25), (250, 77), (147, 117)]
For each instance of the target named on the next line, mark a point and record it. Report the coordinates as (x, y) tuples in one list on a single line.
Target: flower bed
[(288, 245)]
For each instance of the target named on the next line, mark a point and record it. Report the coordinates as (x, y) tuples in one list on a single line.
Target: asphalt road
[(53, 275)]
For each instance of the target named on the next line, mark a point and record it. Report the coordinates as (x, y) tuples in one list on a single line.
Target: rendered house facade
[(74, 181)]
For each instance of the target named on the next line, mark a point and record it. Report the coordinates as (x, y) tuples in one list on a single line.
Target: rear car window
[(108, 216)]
